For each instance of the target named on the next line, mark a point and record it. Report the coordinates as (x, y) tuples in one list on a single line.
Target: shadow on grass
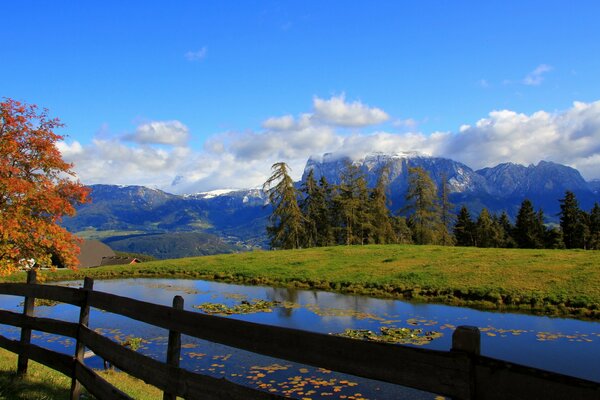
[(16, 388)]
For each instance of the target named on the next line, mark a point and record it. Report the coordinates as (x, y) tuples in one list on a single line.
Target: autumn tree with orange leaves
[(37, 188)]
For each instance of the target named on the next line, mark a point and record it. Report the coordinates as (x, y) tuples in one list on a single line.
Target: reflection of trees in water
[(283, 295), (329, 300)]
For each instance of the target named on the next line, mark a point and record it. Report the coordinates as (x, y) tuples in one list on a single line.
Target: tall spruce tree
[(464, 229), (351, 204), (286, 229), (325, 235), (571, 221), (381, 223), (527, 227), (422, 202), (487, 230), (310, 209), (402, 233), (594, 227), (446, 215), (507, 231)]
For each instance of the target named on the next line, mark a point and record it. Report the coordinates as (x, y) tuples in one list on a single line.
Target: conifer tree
[(309, 207), (446, 214), (554, 239), (527, 230), (487, 231), (325, 222), (402, 233), (507, 230), (286, 230), (464, 228), (382, 230), (425, 220), (594, 227), (352, 208), (570, 221)]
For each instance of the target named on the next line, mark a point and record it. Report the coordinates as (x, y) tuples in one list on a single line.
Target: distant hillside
[(173, 245)]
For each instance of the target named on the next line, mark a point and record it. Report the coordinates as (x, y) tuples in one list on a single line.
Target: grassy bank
[(556, 282), (43, 383)]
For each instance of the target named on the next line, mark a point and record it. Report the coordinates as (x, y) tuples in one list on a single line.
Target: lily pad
[(393, 335)]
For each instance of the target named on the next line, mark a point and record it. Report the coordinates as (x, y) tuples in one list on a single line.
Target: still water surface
[(562, 345)]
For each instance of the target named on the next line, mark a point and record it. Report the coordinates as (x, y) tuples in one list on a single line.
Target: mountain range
[(127, 217)]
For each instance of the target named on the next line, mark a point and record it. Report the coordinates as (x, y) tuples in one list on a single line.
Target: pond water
[(562, 345)]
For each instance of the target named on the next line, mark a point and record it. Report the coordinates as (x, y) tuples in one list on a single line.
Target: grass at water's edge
[(43, 383), (552, 282)]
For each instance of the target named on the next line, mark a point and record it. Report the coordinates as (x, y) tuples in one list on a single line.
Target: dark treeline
[(320, 214)]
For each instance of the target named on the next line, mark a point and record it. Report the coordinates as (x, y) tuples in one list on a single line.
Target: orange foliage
[(37, 188)]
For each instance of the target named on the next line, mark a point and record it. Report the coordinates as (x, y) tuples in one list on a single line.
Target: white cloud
[(197, 55), (243, 159), (483, 83), (172, 133), (337, 111), (536, 77)]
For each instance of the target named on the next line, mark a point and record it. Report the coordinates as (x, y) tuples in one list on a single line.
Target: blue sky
[(197, 81)]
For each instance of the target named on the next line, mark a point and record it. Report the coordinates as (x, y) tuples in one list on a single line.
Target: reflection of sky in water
[(561, 345)]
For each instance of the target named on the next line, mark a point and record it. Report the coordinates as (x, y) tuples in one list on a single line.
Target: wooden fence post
[(174, 347), (467, 339), (28, 309), (84, 318)]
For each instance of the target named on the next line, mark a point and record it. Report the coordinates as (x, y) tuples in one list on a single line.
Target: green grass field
[(43, 383), (557, 282)]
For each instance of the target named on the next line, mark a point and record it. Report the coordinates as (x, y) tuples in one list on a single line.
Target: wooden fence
[(461, 373)]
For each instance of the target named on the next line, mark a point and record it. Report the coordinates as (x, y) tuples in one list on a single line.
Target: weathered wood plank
[(439, 372), (84, 318), (166, 377), (496, 380), (48, 325), (28, 308), (174, 346), (58, 361), (57, 293), (96, 385)]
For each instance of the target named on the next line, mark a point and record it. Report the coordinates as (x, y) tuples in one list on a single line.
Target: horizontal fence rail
[(461, 373)]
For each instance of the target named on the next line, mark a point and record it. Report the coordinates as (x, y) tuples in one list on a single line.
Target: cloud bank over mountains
[(158, 153)]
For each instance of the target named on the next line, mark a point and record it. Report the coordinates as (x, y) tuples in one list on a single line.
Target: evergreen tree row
[(319, 214), (577, 228)]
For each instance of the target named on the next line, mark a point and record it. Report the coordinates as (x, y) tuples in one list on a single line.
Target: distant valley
[(151, 221)]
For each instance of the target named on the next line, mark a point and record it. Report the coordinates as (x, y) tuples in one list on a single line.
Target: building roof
[(92, 252), (117, 260)]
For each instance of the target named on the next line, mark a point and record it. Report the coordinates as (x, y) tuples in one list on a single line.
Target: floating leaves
[(245, 307), (575, 337), (42, 303), (393, 335)]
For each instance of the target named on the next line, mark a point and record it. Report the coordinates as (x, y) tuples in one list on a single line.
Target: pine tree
[(507, 231), (464, 228), (286, 230), (310, 210), (594, 227), (487, 231), (402, 233), (325, 222), (352, 208), (446, 214), (382, 230), (554, 239), (425, 220), (570, 221), (527, 230)]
